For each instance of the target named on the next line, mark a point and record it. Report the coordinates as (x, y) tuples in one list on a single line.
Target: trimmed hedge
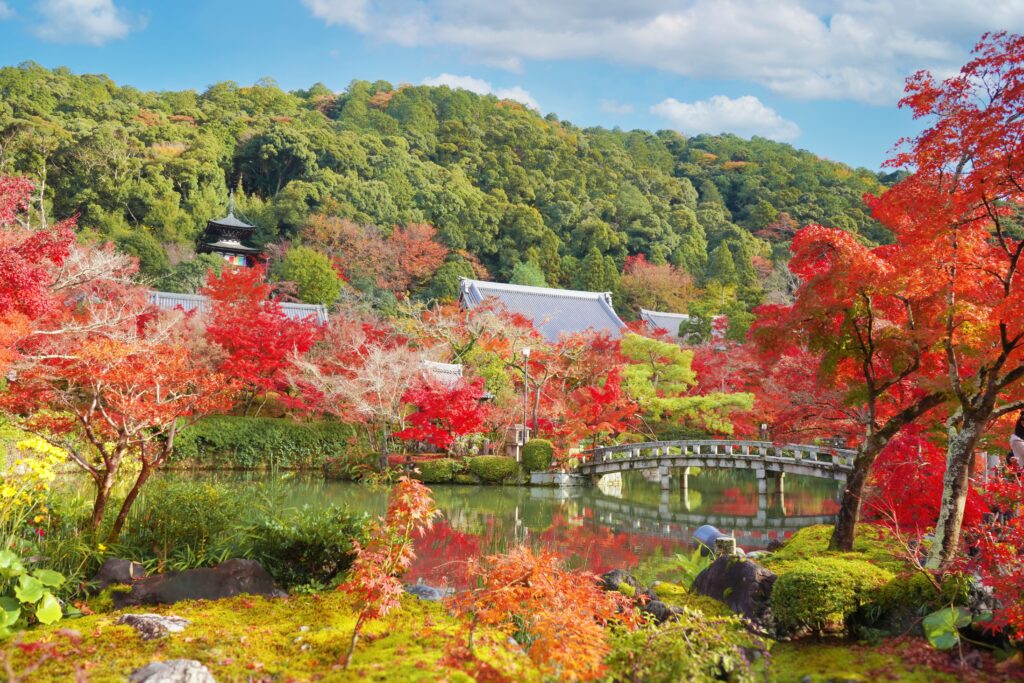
[(439, 471), (537, 455), (493, 469), (235, 442)]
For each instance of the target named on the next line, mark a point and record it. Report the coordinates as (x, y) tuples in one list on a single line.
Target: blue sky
[(824, 75)]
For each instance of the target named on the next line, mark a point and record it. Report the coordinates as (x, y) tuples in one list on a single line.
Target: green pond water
[(617, 525)]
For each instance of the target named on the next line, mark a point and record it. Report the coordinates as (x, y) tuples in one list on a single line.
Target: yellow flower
[(102, 548), (38, 519)]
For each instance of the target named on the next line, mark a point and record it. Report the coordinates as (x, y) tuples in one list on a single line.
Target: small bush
[(228, 441), (822, 594), (537, 455), (493, 469), (697, 647), (306, 546), (439, 471)]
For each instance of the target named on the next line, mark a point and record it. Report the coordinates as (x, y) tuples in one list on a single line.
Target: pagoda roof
[(230, 221), (669, 322), (230, 246)]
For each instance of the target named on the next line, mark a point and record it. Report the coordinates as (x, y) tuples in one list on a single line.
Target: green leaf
[(11, 610), (29, 589), (943, 627), (48, 610), (50, 578), (10, 565)]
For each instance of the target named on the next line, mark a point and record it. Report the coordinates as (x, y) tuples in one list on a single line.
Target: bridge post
[(684, 487), (666, 480)]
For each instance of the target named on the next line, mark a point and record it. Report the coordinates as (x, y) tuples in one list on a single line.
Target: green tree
[(527, 273), (660, 378), (312, 273)]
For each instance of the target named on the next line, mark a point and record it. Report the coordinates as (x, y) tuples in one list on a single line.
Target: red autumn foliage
[(259, 341), (906, 485), (443, 413), (1000, 560), (597, 410)]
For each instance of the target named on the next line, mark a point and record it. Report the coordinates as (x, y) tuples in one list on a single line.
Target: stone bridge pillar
[(684, 487), (665, 476)]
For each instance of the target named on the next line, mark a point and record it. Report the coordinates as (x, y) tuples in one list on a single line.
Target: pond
[(619, 524)]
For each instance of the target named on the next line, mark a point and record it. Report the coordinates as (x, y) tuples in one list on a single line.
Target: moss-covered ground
[(250, 638)]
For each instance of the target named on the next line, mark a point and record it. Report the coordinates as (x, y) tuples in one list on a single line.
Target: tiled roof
[(190, 302), (666, 321), (554, 312), (447, 374), (230, 221)]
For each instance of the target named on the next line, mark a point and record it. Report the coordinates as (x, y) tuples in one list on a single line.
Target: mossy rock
[(675, 595), (538, 455), (493, 469), (439, 471), (823, 594), (464, 478)]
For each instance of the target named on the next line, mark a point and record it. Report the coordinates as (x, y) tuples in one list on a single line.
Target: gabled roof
[(191, 302), (554, 312), (666, 321)]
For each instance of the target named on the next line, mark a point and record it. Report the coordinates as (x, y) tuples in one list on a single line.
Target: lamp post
[(526, 388)]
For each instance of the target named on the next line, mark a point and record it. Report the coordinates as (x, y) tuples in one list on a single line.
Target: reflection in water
[(597, 528)]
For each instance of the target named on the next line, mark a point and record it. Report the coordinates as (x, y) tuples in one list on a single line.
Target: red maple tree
[(443, 412), (260, 342)]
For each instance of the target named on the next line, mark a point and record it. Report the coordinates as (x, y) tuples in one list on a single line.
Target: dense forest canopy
[(508, 191)]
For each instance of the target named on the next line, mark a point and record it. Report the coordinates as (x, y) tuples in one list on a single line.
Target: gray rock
[(116, 571), (428, 593), (659, 611), (227, 579), (743, 585), (757, 554), (612, 580), (173, 671), (152, 626)]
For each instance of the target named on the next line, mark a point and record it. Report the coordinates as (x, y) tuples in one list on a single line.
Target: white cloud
[(482, 87), (618, 108), (5, 11), (745, 116), (835, 49), (343, 12), (93, 22)]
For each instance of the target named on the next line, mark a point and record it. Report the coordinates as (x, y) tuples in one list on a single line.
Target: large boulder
[(616, 578), (227, 579), (173, 671), (743, 585), (116, 571)]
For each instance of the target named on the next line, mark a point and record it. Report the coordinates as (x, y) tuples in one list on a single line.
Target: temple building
[(227, 237), (554, 312)]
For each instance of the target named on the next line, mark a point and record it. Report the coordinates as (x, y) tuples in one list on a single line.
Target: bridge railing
[(841, 457)]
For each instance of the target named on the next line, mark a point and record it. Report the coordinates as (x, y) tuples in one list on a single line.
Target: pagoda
[(227, 237)]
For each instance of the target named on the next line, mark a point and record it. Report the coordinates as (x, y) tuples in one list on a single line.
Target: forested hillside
[(511, 193)]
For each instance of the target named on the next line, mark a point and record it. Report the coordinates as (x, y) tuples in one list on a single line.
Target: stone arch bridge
[(769, 461)]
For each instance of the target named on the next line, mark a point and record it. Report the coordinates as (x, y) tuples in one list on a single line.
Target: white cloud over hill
[(811, 49)]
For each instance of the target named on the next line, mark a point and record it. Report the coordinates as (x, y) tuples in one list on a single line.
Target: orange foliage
[(559, 615)]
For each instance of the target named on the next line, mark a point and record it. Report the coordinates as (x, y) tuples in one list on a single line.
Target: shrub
[(493, 469), (697, 647), (820, 595), (437, 471), (306, 546), (537, 455), (227, 441)]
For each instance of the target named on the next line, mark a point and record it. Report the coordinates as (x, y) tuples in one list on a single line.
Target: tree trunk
[(122, 514), (384, 447), (959, 451), (849, 506), (103, 486)]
